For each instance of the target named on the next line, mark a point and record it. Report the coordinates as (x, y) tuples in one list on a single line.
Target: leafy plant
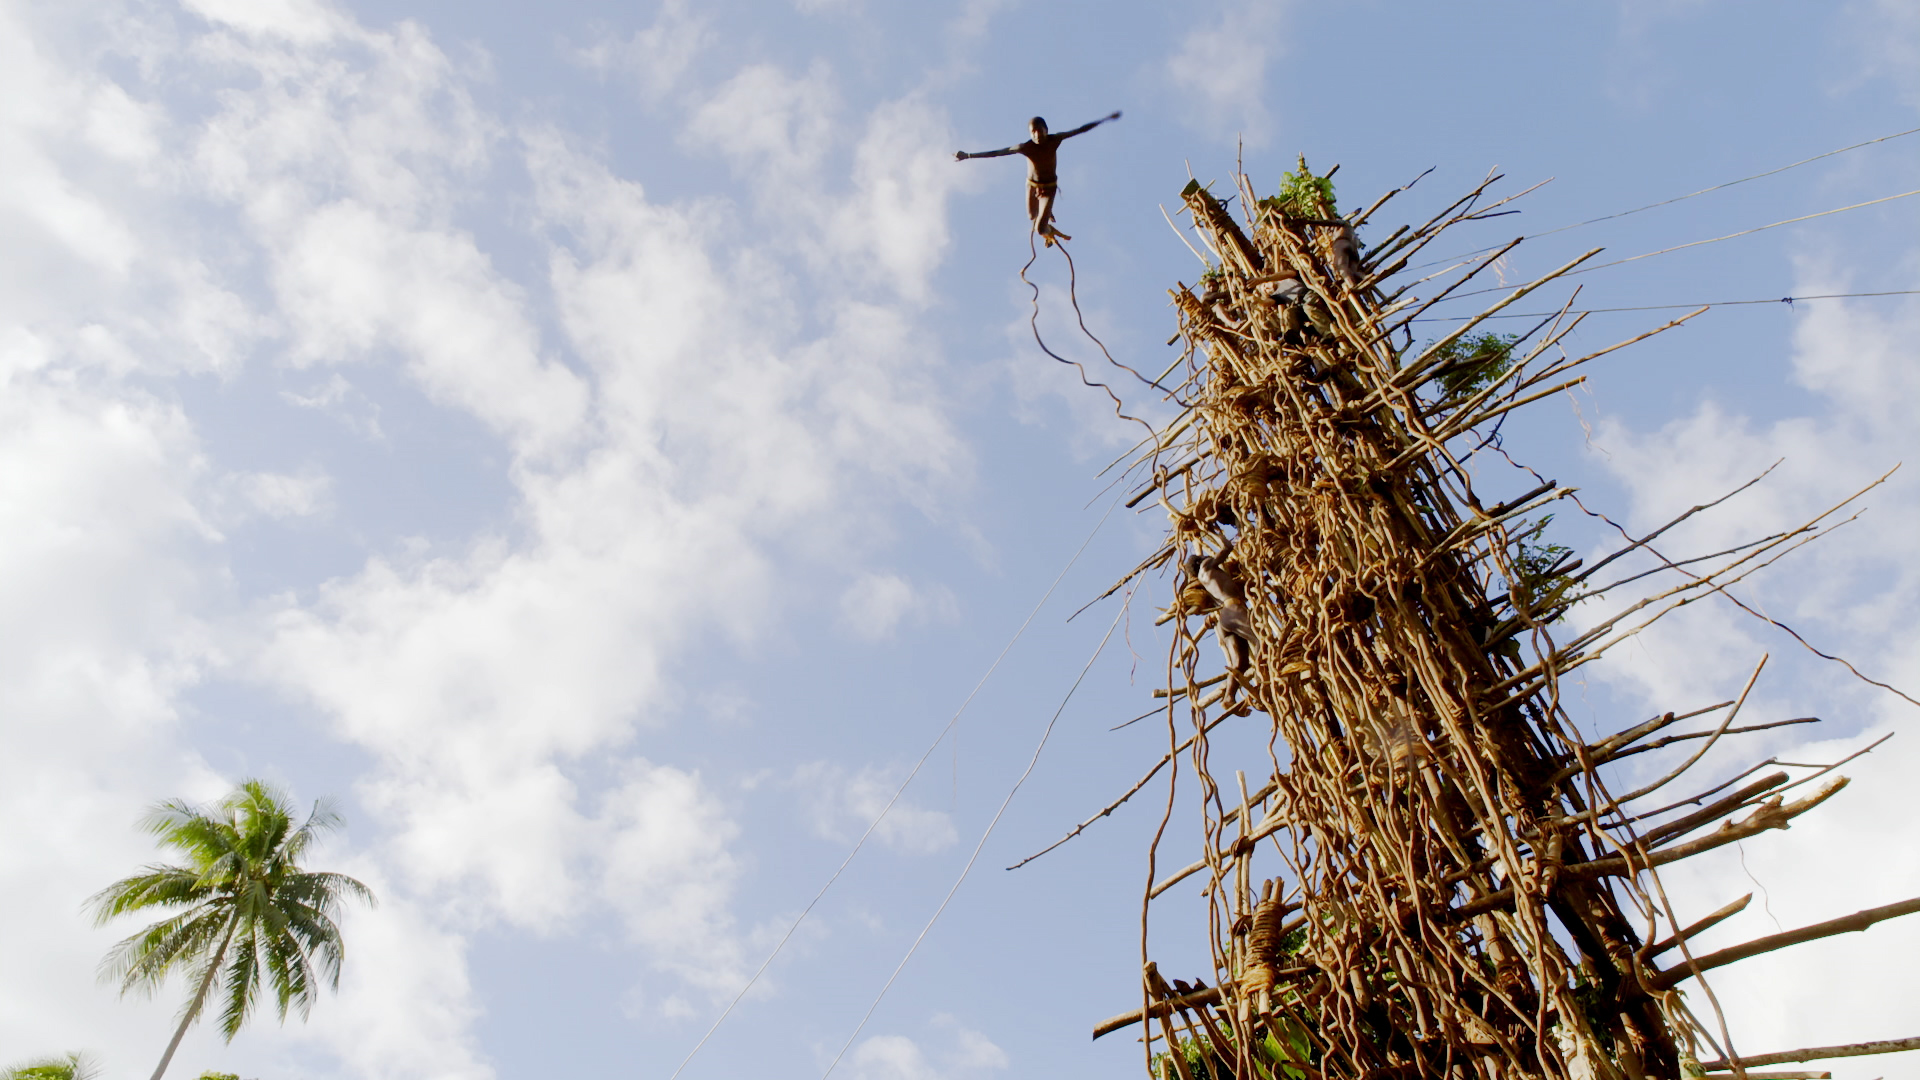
[(1278, 1050), (73, 1066), (1283, 1054), (1538, 583), (1597, 1009), (245, 907), (1200, 1059), (1302, 195), (1473, 362)]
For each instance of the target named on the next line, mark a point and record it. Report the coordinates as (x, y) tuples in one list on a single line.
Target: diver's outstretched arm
[(1084, 128), (962, 155)]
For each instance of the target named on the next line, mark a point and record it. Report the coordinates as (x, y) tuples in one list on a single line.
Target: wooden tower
[(1427, 873)]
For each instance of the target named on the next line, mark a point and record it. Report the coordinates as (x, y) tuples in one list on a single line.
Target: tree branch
[(1770, 815), (1821, 1053), (1846, 924)]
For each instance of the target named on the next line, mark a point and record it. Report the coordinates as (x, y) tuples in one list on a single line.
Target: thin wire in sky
[(1045, 734), (1679, 198), (881, 816), (1709, 240), (1787, 300)]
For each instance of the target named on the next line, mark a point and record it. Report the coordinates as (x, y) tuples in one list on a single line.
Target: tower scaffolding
[(1426, 874)]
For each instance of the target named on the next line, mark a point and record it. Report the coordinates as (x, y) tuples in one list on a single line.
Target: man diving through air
[(1043, 180)]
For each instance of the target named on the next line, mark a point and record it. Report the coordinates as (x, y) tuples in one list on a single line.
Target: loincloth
[(1043, 187)]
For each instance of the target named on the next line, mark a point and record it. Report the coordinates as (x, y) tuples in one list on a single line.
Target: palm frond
[(73, 1066), (292, 975), (319, 939), (143, 960), (189, 831), (249, 905), (240, 982), (328, 890), (158, 886)]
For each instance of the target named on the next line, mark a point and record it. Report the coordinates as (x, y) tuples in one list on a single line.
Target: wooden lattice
[(1427, 876)]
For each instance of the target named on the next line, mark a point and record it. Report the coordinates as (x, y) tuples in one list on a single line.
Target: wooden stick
[(1713, 811), (1209, 996), (1698, 928), (1413, 373), (1131, 792), (1821, 1053), (1455, 427), (1426, 232), (1555, 369), (1156, 483), (1273, 824), (1846, 924), (1181, 691), (1708, 745), (1671, 739), (1157, 557), (1361, 218), (1771, 815), (1697, 799), (1635, 545), (1610, 747)]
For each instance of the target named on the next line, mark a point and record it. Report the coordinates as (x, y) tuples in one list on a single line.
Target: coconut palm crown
[(73, 1066), (245, 908)]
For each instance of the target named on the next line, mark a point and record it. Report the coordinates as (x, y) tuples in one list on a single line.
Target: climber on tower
[(1233, 624), (1043, 181)]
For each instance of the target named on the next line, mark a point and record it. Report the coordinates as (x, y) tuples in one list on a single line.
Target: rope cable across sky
[(1675, 199)]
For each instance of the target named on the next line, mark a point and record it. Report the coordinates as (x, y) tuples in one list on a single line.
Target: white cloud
[(1222, 65), (477, 677), (348, 175), (100, 545), (769, 121), (121, 127), (876, 605), (350, 281), (696, 420), (669, 871), (302, 21), (40, 105), (893, 228), (1852, 593), (973, 1051), (962, 1053), (285, 495), (406, 1007), (873, 606), (974, 18), (842, 803), (339, 399), (656, 58), (892, 1057), (1888, 36)]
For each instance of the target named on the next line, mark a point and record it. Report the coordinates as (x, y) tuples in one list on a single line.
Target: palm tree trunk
[(199, 999)]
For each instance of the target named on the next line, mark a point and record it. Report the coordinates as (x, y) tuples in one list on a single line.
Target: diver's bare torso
[(1042, 150)]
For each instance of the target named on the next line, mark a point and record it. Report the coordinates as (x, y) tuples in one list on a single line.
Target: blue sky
[(603, 445)]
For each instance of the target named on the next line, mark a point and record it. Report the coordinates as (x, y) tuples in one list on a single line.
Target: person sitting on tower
[(1043, 181), (1233, 623)]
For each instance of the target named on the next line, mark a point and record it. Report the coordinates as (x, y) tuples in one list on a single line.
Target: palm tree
[(67, 1067), (247, 906)]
